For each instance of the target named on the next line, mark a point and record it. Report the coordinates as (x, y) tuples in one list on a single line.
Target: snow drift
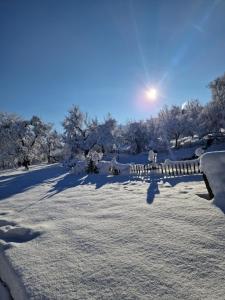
[(213, 166)]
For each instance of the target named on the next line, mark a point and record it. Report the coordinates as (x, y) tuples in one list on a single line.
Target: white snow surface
[(109, 237), (213, 165)]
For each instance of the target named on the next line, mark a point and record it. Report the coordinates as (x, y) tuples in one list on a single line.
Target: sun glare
[(151, 94)]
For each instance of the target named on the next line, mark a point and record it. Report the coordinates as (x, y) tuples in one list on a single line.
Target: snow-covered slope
[(99, 237)]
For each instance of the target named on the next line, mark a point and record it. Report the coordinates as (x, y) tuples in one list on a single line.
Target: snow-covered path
[(98, 237)]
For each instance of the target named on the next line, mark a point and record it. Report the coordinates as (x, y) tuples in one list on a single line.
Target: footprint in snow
[(11, 232), (3, 213)]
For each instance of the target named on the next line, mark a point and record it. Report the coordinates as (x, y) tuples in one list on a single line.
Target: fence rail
[(171, 168)]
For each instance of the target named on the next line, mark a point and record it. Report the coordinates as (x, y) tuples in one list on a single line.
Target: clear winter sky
[(102, 54)]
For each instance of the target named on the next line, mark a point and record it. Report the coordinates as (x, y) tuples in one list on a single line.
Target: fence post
[(208, 187)]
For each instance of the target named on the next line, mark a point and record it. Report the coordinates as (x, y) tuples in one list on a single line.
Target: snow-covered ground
[(96, 237)]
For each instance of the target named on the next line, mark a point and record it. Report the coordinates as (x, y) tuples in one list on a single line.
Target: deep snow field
[(96, 237)]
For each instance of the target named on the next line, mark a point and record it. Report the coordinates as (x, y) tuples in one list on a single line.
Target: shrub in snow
[(91, 167), (93, 159), (212, 164)]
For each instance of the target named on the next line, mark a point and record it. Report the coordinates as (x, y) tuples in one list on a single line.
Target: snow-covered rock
[(212, 164)]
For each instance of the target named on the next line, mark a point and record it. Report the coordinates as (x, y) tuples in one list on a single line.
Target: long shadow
[(18, 183), (152, 191), (153, 188), (71, 181)]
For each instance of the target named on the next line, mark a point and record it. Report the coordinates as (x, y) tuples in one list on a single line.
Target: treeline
[(29, 141)]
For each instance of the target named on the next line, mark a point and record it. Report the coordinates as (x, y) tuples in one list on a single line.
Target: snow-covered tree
[(22, 141), (102, 134), (192, 111), (136, 136), (172, 123), (215, 109), (75, 132), (53, 146)]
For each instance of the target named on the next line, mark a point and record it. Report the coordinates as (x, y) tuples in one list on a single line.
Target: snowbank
[(212, 164)]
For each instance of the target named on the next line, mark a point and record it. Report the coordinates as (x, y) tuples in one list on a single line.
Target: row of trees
[(23, 141), (171, 124)]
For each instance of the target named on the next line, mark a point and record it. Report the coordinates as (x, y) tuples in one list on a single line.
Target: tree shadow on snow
[(19, 183), (70, 181)]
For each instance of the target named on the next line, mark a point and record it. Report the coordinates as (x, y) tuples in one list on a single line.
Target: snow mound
[(212, 164)]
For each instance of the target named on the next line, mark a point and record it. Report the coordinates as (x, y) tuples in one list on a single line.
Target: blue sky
[(101, 55)]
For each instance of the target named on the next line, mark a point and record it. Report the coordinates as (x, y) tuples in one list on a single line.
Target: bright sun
[(151, 94)]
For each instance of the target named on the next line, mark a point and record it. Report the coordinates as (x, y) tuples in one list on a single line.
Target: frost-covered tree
[(8, 139), (22, 141), (192, 111), (75, 132), (53, 146), (172, 123), (136, 136), (82, 134), (102, 134), (153, 133), (215, 109)]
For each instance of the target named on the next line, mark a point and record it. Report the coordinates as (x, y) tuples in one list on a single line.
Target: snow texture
[(213, 165), (109, 237)]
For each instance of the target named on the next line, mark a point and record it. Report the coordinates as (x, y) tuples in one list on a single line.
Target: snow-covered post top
[(199, 151), (212, 164), (151, 155)]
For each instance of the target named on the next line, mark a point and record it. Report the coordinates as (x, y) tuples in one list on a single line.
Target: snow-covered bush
[(79, 167), (114, 168), (104, 167), (124, 169), (212, 164)]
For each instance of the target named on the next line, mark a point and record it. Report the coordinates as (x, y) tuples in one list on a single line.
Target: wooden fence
[(171, 168)]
